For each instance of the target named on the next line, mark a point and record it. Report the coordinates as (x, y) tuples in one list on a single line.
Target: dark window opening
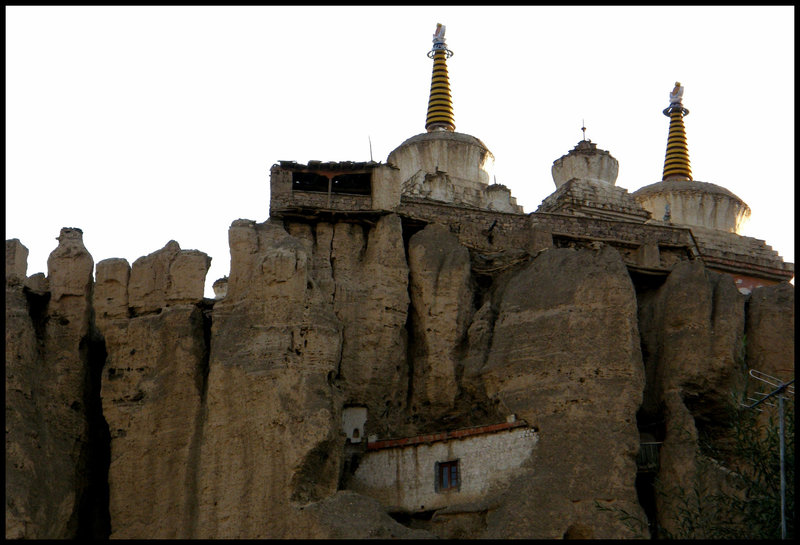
[(359, 183), (309, 181), (447, 476), (354, 184)]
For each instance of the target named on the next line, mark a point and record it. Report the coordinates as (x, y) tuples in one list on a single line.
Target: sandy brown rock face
[(371, 301), (770, 330), (695, 324), (270, 440), (70, 267), (363, 273), (580, 384), (692, 337), (111, 289), (16, 261), (153, 389), (168, 276), (24, 492), (47, 378), (70, 270), (348, 515), (701, 322), (152, 395), (226, 418), (441, 303)]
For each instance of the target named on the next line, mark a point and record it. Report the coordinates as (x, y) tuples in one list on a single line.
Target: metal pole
[(783, 469), (781, 387)]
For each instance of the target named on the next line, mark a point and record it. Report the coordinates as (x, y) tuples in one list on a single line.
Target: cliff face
[(152, 387), (136, 408), (48, 388), (553, 364)]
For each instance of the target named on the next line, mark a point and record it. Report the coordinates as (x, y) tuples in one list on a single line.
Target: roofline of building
[(750, 269), (444, 436)]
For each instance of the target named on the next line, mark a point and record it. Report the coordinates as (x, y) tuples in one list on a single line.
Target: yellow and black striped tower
[(676, 162), (440, 104)]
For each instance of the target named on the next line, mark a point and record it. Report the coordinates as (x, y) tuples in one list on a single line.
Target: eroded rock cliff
[(153, 387), (50, 392), (136, 408), (695, 324), (578, 383)]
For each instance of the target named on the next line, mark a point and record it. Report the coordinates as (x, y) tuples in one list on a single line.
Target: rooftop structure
[(585, 179), (677, 198), (443, 165), (713, 213), (442, 176)]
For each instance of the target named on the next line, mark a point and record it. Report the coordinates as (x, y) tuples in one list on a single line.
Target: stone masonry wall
[(488, 231), (403, 478)]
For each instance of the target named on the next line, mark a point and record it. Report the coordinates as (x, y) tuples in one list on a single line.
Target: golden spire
[(440, 104), (676, 162)]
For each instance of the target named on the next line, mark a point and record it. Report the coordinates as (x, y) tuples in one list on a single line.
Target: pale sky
[(145, 124)]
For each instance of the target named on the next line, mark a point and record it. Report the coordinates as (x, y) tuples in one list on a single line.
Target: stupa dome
[(585, 162), (694, 203)]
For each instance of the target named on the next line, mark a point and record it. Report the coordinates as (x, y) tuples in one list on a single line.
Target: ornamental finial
[(439, 43), (676, 161), (438, 36), (676, 96), (440, 104)]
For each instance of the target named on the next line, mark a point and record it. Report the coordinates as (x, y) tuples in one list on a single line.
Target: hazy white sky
[(142, 125)]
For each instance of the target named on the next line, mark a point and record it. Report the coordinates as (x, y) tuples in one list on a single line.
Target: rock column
[(153, 389), (47, 378)]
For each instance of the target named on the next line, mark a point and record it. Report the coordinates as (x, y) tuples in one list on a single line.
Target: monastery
[(401, 351), (444, 176)]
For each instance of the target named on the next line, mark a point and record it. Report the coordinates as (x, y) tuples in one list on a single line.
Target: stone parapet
[(323, 201), (596, 199), (626, 232), (490, 231), (476, 228), (738, 253), (578, 212)]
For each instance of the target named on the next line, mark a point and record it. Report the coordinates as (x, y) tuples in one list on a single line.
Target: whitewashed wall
[(403, 478), (353, 418)]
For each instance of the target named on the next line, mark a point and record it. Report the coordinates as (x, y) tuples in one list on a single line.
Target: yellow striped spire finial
[(676, 162), (440, 104)]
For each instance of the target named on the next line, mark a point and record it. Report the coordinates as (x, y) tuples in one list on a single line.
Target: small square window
[(447, 476)]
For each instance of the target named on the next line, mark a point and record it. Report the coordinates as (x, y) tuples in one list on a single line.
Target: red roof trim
[(443, 436)]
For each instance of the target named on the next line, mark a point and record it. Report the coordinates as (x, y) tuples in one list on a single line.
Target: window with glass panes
[(447, 476)]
